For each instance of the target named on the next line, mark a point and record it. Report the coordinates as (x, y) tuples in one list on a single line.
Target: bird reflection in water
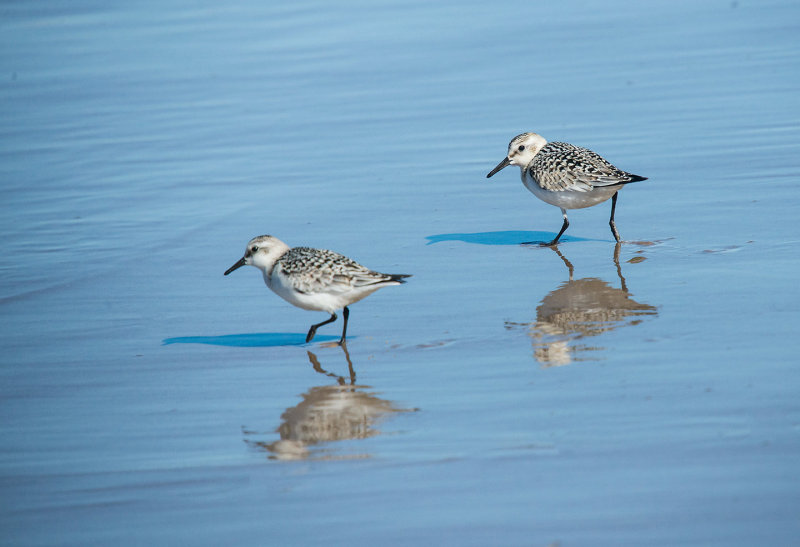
[(579, 309), (337, 412)]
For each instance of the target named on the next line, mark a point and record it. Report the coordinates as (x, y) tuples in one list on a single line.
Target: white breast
[(568, 199), (328, 299)]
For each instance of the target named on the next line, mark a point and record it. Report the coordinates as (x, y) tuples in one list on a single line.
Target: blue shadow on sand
[(508, 237), (251, 340)]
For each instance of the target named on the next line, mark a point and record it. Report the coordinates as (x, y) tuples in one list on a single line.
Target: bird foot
[(540, 243)]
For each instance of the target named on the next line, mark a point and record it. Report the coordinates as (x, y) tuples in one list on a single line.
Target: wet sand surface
[(507, 394)]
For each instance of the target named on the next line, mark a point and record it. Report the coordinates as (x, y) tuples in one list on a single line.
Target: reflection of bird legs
[(315, 363), (616, 263), (567, 262), (349, 364), (340, 379), (571, 268)]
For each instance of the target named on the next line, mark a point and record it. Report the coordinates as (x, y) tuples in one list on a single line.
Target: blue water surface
[(507, 394)]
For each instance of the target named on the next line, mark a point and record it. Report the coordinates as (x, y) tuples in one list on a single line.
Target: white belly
[(569, 199), (328, 301)]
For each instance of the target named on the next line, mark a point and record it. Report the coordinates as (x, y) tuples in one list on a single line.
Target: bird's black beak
[(236, 266), (505, 163)]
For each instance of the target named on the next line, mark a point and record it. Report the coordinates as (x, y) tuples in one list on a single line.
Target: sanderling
[(313, 279), (565, 175)]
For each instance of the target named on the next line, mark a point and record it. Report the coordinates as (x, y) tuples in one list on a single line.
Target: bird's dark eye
[(521, 147), (254, 249)]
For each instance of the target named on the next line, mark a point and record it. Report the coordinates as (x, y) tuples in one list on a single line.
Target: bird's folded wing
[(368, 277), (311, 282), (340, 276), (575, 169)]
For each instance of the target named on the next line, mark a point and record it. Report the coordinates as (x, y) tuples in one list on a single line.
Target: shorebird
[(565, 175), (313, 279)]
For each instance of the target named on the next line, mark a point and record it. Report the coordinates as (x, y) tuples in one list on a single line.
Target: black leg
[(611, 222), (313, 330), (345, 314), (563, 229)]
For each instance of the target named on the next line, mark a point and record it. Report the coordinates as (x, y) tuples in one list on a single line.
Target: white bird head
[(521, 150), (261, 252)]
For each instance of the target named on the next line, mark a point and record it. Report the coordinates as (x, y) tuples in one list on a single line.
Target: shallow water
[(508, 394)]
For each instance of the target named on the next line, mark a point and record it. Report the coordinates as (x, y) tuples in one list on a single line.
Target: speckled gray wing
[(560, 166), (318, 270)]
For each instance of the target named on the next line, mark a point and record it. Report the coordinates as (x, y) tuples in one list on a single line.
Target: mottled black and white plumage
[(317, 270), (560, 166), (313, 279), (565, 175)]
